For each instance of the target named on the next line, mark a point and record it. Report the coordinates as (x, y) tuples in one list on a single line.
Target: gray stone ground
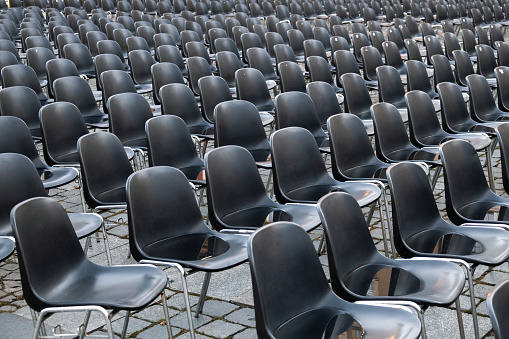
[(228, 311)]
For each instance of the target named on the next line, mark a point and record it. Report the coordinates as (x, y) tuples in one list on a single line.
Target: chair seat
[(424, 282), (304, 215), (416, 155), (6, 248), (208, 252), (85, 223), (364, 194), (267, 118), (57, 176), (202, 131), (494, 247), (115, 287), (143, 88), (115, 196)]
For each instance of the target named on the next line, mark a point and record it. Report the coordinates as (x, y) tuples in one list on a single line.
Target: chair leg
[(85, 324), (126, 323), (203, 294), (434, 180), (166, 315), (389, 223), (267, 185), (384, 236), (460, 318), (106, 244), (420, 315), (370, 215), (489, 164), (321, 245)]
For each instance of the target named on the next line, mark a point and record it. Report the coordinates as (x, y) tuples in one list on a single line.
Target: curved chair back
[(292, 78), (22, 102), (325, 100), (214, 90), (164, 73), (497, 308), (252, 87), (390, 86)]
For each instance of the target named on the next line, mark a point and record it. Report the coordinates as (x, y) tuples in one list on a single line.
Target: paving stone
[(216, 308), (221, 329), (248, 333), (181, 321), (244, 316)]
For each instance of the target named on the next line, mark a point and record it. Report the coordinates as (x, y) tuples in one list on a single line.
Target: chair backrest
[(186, 107), (214, 90), (325, 100), (172, 54), (319, 70), (155, 215), (486, 61), (276, 303), (357, 98), (59, 68), (104, 169), (135, 43), (297, 109), (464, 179), (259, 58), (108, 61), (497, 308), (251, 86), (503, 139), (292, 78), (371, 60), (61, 125), (170, 144), (22, 102), (502, 75), (390, 86), (482, 103), (141, 62), (454, 111), (359, 40), (422, 119), (417, 78), (502, 53), (197, 68), (93, 37), (16, 138), (36, 58), (442, 71), (162, 74), (390, 132), (469, 41), (238, 122), (233, 185), (463, 66), (300, 174), (22, 75), (114, 82), (433, 47)]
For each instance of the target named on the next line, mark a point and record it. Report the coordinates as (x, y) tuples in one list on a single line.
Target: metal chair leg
[(460, 318), (166, 315), (126, 323), (203, 294), (85, 324)]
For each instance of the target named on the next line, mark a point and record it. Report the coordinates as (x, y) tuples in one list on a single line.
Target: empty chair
[(198, 49), (259, 58), (296, 42), (6, 59), (251, 86), (433, 47), (469, 43), (292, 78), (121, 36), (147, 33), (425, 130), (238, 123), (135, 43), (64, 39), (16, 138), (197, 68), (357, 99), (325, 100), (314, 47), (417, 79), (107, 62), (170, 144), (495, 35), (81, 57), (250, 40), (190, 228), (495, 303), (141, 62), (319, 70), (59, 68), (22, 75), (93, 37), (246, 208), (346, 63), (214, 90), (371, 60), (307, 181), (318, 311), (227, 64), (359, 40), (114, 82), (463, 67), (482, 104), (296, 109), (424, 235), (354, 264), (502, 53), (37, 58), (162, 74), (390, 88), (128, 113), (442, 72), (392, 142), (186, 108), (486, 61), (172, 54), (22, 102), (502, 74), (110, 47)]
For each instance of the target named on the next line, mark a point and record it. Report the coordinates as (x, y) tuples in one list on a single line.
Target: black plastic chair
[(186, 108), (356, 265), (22, 75), (502, 75), (482, 104), (141, 63), (115, 82), (496, 303), (371, 60), (197, 68), (357, 99), (66, 89), (56, 69), (292, 78), (319, 70), (424, 127), (391, 90), (325, 100), (296, 109), (82, 285), (251, 86), (81, 57), (316, 312), (455, 115), (420, 231), (172, 54), (392, 143), (170, 144), (105, 47), (237, 198), (198, 49), (105, 168), (418, 79), (36, 58), (486, 61), (442, 72), (260, 59), (164, 73), (22, 102), (16, 138), (171, 238), (502, 54)]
